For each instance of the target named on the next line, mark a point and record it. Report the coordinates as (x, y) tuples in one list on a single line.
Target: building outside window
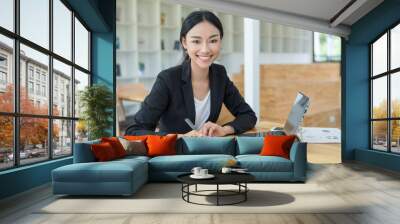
[(37, 74), (3, 71), (3, 78), (43, 77), (3, 81), (43, 90), (30, 72), (38, 89), (3, 61), (30, 87), (55, 99)]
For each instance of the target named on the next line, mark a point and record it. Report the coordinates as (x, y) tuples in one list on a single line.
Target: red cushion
[(161, 145), (116, 145), (136, 137), (277, 145), (103, 151)]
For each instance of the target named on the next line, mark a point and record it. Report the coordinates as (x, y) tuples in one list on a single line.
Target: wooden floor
[(324, 153), (377, 189)]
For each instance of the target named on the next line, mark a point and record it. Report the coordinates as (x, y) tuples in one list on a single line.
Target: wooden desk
[(316, 153)]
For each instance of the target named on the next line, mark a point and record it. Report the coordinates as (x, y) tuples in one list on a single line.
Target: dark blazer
[(171, 101)]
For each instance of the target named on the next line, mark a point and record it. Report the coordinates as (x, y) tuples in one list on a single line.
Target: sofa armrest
[(298, 155), (83, 152)]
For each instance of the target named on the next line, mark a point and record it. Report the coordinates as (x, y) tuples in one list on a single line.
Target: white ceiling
[(320, 9), (315, 15)]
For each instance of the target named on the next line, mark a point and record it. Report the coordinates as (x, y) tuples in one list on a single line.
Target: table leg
[(188, 190), (217, 194), (245, 193), (182, 189), (196, 188)]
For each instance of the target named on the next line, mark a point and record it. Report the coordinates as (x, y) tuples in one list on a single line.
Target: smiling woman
[(196, 89)]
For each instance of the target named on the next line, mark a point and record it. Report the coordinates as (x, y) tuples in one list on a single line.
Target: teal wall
[(24, 178), (381, 159), (355, 85), (103, 64), (103, 53), (99, 16)]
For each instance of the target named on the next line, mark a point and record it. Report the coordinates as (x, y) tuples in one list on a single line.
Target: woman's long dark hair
[(195, 18)]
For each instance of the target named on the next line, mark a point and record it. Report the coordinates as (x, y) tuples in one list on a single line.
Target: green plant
[(96, 102)]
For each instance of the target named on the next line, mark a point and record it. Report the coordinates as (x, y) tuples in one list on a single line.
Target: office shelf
[(148, 37)]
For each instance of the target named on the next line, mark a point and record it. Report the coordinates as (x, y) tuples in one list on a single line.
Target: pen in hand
[(189, 122)]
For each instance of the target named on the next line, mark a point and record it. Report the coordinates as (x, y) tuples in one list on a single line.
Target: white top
[(202, 110)]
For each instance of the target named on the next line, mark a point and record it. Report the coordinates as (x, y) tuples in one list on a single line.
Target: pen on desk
[(189, 122)]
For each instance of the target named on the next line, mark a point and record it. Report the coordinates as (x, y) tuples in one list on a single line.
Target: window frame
[(16, 115), (388, 74)]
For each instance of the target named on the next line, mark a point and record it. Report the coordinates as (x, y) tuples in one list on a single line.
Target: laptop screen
[(296, 114)]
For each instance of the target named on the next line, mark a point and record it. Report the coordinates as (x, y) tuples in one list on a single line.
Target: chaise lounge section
[(88, 177)]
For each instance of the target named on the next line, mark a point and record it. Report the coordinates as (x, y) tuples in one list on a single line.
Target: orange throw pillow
[(161, 145), (136, 137), (116, 145), (103, 151), (277, 145)]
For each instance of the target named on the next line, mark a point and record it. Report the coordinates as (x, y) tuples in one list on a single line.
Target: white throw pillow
[(137, 147)]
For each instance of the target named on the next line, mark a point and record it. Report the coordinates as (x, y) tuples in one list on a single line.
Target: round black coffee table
[(238, 179)]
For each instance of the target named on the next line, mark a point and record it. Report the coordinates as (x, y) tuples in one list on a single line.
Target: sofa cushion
[(116, 145), (83, 152), (103, 152), (206, 145), (112, 171), (134, 147), (136, 137), (277, 145), (161, 145), (249, 145), (131, 158), (185, 163), (257, 163)]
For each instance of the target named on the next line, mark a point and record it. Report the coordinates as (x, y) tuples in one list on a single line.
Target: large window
[(327, 48), (44, 64), (385, 91)]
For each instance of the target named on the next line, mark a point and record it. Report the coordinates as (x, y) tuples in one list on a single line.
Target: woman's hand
[(193, 133), (213, 129)]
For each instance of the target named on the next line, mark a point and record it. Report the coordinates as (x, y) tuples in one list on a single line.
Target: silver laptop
[(296, 114), (294, 120)]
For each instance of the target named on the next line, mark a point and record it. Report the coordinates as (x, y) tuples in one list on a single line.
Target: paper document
[(319, 135)]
